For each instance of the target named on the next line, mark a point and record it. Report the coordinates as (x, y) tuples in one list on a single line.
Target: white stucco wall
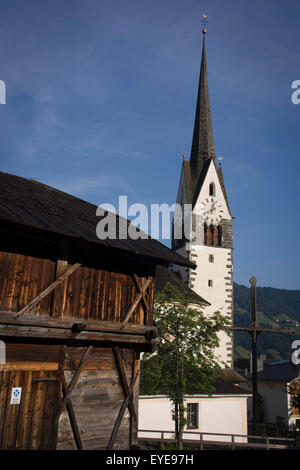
[(226, 414)]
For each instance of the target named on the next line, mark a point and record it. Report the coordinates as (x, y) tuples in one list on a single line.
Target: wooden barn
[(75, 313)]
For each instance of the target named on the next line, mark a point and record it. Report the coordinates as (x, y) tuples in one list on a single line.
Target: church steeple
[(203, 139)]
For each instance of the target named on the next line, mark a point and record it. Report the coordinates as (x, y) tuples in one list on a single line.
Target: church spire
[(203, 140)]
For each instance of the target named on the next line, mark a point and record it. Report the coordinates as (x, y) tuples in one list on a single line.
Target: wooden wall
[(96, 398), (102, 289), (30, 424), (102, 292)]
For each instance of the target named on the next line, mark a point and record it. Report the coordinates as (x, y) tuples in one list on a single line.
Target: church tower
[(207, 231)]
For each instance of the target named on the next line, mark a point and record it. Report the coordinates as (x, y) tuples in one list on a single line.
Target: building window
[(211, 258), (210, 283), (192, 415), (212, 189)]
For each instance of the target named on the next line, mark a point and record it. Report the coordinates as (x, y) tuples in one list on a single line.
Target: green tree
[(294, 391), (184, 361)]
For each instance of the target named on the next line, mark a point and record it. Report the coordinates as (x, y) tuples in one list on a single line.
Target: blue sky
[(101, 100)]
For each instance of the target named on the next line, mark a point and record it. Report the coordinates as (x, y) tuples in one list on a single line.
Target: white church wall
[(225, 414)]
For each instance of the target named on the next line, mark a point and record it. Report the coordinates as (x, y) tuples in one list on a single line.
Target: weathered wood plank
[(4, 401), (12, 412), (49, 289), (26, 352), (39, 394), (9, 318), (22, 440), (14, 366), (60, 334)]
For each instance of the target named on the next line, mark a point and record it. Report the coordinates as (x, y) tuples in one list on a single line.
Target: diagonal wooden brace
[(49, 289), (70, 410), (142, 291), (123, 379), (121, 414), (135, 302), (73, 381)]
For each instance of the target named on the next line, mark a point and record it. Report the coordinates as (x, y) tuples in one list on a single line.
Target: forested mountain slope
[(277, 308)]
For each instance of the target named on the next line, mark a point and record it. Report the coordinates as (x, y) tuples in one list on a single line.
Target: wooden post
[(70, 411), (254, 330), (161, 443), (121, 414), (201, 441), (253, 281), (123, 380)]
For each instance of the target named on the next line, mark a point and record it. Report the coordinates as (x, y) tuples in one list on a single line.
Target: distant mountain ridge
[(276, 308)]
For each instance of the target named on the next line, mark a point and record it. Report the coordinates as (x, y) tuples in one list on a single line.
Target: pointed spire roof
[(203, 139)]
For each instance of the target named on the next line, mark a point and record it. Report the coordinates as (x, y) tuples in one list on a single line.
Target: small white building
[(224, 412), (273, 380)]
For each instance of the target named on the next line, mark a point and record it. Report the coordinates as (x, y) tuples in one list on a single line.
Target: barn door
[(29, 400)]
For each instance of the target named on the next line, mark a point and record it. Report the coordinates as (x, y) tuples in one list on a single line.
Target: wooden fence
[(232, 441)]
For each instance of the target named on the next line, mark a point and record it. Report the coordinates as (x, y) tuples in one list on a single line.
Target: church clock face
[(211, 210)]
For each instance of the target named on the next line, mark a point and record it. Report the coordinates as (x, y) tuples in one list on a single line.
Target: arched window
[(212, 189)]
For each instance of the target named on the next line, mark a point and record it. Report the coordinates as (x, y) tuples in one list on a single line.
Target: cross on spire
[(204, 22)]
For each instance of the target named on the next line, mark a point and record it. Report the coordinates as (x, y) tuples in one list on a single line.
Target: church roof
[(164, 276), (203, 150), (25, 203), (203, 139)]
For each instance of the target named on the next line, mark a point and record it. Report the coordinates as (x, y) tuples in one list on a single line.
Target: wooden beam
[(70, 411), (121, 414), (65, 335), (258, 329), (123, 379), (9, 318), (135, 302), (29, 366), (49, 289), (74, 381)]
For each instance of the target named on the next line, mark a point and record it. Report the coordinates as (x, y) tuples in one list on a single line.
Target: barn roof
[(38, 206)]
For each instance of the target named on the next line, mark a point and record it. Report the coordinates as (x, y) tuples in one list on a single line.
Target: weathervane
[(204, 22), (220, 161), (183, 154)]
